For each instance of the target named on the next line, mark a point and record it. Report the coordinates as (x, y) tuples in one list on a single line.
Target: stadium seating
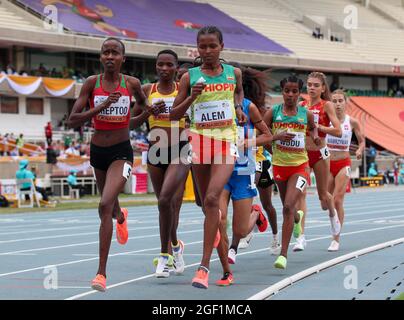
[(11, 19)]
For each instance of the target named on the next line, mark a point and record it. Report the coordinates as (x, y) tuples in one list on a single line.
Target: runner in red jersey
[(111, 155), (324, 114), (340, 165)]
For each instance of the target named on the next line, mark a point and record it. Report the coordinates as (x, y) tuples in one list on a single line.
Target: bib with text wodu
[(116, 112), (165, 115), (213, 114), (297, 144)]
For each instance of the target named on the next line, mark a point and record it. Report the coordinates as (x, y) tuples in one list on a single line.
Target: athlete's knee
[(211, 200), (338, 201), (165, 202), (325, 196), (288, 208), (106, 209)]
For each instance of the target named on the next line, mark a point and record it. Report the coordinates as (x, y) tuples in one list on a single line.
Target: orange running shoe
[(201, 278), (99, 283), (217, 238), (262, 222), (227, 280), (122, 228)]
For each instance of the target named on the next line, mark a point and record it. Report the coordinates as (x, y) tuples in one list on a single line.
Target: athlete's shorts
[(205, 149), (316, 155), (284, 173), (337, 165), (102, 157), (263, 169), (241, 186), (163, 157)]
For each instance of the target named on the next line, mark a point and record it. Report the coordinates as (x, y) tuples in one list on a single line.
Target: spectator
[(42, 70), (371, 154), (401, 176), (67, 141), (372, 172), (48, 133), (51, 154), (396, 169), (24, 173), (20, 144), (72, 150), (72, 181)]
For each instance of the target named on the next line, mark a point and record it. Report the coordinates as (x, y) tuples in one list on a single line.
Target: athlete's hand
[(317, 141), (241, 117), (358, 154), (112, 98), (197, 90), (158, 107), (284, 136)]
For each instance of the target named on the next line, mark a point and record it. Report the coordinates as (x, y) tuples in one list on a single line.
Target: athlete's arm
[(265, 136), (77, 118), (239, 97), (311, 126), (183, 101), (357, 129), (140, 115), (336, 131)]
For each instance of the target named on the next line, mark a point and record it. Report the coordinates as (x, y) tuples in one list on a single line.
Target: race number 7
[(301, 183)]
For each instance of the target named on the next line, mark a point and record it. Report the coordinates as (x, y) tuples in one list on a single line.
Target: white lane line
[(193, 209), (283, 284), (89, 243), (192, 222), (86, 260), (181, 232), (78, 296)]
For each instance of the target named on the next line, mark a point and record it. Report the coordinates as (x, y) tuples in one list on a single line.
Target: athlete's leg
[(266, 201), (114, 183), (244, 220), (290, 195), (223, 247), (100, 177), (322, 172), (211, 180), (341, 182)]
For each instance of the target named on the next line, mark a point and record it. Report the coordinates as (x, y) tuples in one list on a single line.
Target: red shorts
[(284, 173), (205, 149), (337, 165)]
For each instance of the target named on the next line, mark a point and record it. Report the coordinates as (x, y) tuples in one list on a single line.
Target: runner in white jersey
[(340, 165)]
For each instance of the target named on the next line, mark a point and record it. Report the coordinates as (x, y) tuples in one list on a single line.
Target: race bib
[(301, 183), (297, 144), (116, 112), (316, 117), (127, 170), (213, 114), (258, 166), (348, 172), (325, 153), (165, 115)]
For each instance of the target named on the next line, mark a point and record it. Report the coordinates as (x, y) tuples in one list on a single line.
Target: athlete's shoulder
[(147, 88), (90, 83), (133, 81)]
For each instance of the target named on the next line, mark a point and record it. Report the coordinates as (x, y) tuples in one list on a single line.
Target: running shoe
[(275, 247), (99, 283), (334, 246), (170, 262), (245, 242), (297, 228), (226, 280), (281, 262), (262, 222), (231, 256), (300, 243), (178, 254), (201, 279), (122, 228), (162, 270), (335, 225)]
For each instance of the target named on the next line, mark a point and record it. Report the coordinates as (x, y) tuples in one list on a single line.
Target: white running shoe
[(162, 269), (275, 247), (245, 242), (231, 256), (335, 225), (300, 243), (334, 246), (179, 264)]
